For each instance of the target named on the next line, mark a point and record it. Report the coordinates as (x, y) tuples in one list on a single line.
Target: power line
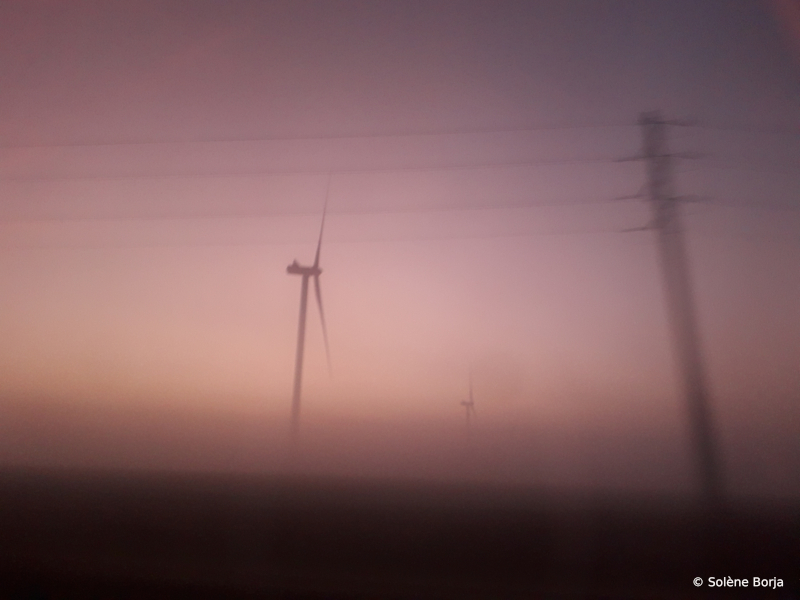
[(775, 129), (255, 244), (341, 212), (326, 137), (319, 171), (486, 236), (411, 210), (713, 163), (743, 127), (387, 240), (728, 164), (771, 206)]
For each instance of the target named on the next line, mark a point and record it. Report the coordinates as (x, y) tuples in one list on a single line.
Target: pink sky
[(151, 277)]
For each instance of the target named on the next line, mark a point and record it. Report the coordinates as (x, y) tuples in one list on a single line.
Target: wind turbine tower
[(306, 273)]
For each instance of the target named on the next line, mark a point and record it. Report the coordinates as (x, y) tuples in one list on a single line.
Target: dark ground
[(69, 534)]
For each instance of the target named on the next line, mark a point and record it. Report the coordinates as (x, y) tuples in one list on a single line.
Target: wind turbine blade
[(318, 293), (322, 225)]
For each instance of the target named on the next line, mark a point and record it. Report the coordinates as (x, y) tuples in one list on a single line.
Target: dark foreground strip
[(114, 535)]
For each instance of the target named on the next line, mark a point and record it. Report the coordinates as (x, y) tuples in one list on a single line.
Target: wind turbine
[(469, 405), (307, 273)]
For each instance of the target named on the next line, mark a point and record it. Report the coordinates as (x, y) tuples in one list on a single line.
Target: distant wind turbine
[(469, 405), (307, 272)]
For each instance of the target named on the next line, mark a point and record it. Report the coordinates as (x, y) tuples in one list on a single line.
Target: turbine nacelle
[(297, 269)]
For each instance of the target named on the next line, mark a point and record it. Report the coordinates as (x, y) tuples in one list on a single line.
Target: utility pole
[(679, 301)]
